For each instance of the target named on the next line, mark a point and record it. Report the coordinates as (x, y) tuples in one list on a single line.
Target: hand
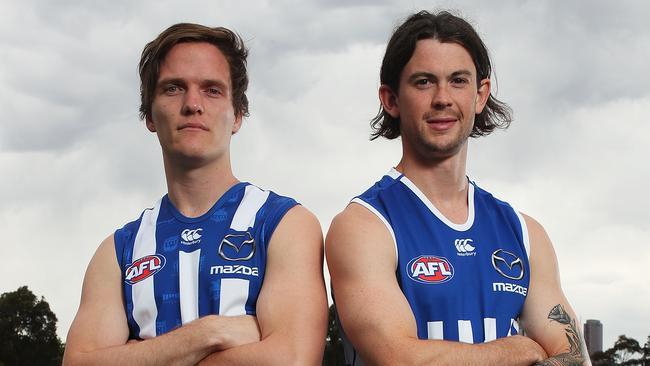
[(533, 350), (236, 330)]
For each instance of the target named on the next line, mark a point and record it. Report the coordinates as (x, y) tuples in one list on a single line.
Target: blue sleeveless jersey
[(464, 282), (176, 269)]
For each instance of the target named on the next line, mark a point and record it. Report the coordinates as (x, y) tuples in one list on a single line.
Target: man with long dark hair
[(218, 271), (428, 268)]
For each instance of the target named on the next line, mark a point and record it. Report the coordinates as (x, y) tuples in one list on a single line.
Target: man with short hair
[(428, 268), (218, 271)]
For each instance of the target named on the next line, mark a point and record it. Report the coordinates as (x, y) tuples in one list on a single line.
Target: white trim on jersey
[(393, 173), (383, 219), (252, 201), (490, 329), (513, 324), (465, 333), (188, 284), (233, 296), (524, 232), (470, 202), (142, 293), (435, 330)]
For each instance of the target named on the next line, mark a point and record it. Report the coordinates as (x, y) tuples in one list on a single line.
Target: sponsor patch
[(509, 287), (235, 269), (237, 247), (507, 264), (189, 237), (430, 269), (143, 268), (464, 247)]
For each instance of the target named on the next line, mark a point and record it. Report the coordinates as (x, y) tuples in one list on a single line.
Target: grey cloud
[(76, 159)]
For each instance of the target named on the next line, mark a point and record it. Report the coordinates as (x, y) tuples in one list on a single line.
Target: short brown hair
[(444, 27), (227, 41)]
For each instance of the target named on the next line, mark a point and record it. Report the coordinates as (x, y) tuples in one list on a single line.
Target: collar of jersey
[(393, 173), (220, 202)]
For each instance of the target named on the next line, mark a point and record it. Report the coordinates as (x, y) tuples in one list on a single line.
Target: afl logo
[(430, 269), (143, 268)]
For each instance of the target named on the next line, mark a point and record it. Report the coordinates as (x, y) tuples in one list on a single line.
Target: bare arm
[(292, 306), (548, 317), (99, 333), (377, 317)]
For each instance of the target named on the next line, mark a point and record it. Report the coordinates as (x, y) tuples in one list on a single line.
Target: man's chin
[(193, 157)]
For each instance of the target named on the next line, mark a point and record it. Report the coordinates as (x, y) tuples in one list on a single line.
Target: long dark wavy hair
[(444, 27)]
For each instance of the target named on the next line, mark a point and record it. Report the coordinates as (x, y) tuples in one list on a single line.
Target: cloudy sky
[(76, 162)]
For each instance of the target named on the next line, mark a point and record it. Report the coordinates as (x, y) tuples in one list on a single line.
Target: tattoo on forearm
[(575, 356)]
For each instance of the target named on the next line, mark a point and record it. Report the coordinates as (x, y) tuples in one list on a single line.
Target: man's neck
[(194, 190), (443, 181)]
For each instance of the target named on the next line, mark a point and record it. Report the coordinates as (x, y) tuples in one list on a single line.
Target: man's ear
[(237, 124), (149, 122), (389, 100), (482, 95)]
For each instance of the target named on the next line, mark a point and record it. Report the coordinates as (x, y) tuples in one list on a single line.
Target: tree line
[(28, 337)]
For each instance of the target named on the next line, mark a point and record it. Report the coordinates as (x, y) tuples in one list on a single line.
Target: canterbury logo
[(464, 246), (191, 236)]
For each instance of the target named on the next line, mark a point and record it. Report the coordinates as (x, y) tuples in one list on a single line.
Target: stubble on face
[(437, 100)]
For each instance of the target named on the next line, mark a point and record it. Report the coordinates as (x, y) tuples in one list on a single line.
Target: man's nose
[(193, 102), (441, 98)]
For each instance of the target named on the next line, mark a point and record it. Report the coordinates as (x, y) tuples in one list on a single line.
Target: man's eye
[(172, 89), (459, 81), (214, 91), (422, 82)]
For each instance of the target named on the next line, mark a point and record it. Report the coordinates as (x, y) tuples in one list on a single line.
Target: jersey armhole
[(383, 219), (524, 233)]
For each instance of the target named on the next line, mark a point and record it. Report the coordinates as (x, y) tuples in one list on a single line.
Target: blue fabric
[(205, 233), (446, 273)]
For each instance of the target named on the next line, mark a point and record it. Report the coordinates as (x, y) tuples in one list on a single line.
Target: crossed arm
[(289, 329), (547, 315), (378, 320)]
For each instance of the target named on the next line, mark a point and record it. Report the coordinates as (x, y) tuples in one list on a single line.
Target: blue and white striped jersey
[(464, 282), (176, 269)]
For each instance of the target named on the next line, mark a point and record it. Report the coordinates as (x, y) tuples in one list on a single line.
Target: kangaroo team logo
[(143, 268), (430, 269), (507, 264), (237, 247)]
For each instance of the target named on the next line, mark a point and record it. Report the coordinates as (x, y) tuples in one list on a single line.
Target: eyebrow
[(431, 76), (182, 82), (175, 81), (461, 73)]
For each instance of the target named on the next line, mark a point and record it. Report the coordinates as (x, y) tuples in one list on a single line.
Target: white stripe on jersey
[(513, 325), (188, 283), (233, 296), (490, 329), (393, 173), (234, 291), (435, 330), (142, 293), (524, 232), (252, 201), (465, 331)]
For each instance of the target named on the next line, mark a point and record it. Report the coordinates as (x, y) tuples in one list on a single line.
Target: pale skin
[(194, 119), (437, 100)]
